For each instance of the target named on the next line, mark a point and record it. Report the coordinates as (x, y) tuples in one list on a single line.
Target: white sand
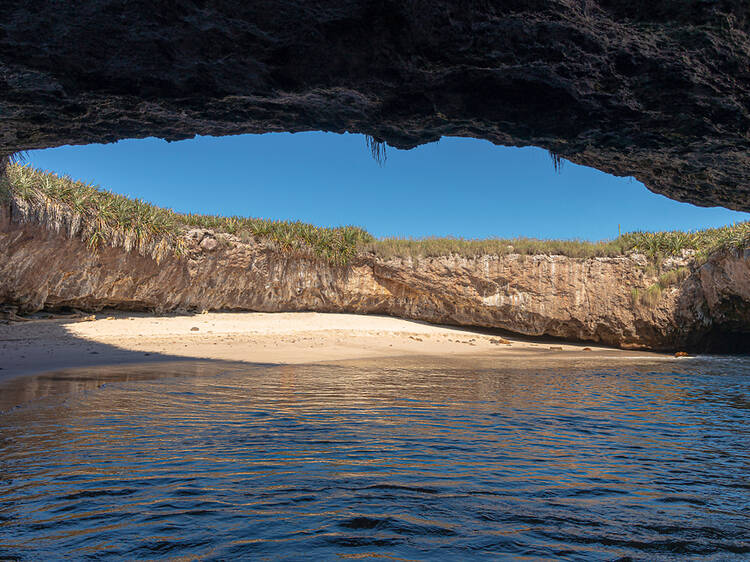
[(299, 337)]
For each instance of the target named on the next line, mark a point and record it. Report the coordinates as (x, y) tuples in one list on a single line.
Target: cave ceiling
[(658, 90)]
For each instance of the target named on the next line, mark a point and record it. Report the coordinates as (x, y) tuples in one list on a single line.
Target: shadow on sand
[(42, 358)]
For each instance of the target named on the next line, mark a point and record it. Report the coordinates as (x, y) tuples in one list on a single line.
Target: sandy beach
[(282, 338)]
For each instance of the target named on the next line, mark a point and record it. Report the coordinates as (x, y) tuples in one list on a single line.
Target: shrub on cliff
[(701, 242), (103, 217), (655, 245)]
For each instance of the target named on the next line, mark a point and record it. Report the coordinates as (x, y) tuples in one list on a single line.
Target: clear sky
[(457, 187)]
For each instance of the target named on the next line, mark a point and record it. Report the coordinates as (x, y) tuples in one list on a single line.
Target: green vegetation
[(102, 217), (673, 277), (652, 295), (656, 245), (435, 247), (635, 295)]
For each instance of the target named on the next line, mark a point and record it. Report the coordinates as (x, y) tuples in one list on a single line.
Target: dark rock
[(657, 90)]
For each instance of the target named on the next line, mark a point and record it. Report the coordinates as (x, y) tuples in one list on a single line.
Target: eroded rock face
[(577, 299), (659, 90)]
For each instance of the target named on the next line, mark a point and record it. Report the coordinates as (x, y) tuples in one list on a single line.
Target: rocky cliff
[(659, 90), (595, 299)]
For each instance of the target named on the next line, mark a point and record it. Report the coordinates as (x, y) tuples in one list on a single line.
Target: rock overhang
[(657, 90)]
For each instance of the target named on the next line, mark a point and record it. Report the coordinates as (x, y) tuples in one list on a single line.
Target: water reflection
[(409, 460)]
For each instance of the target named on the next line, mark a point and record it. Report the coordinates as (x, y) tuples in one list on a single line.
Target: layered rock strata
[(591, 299)]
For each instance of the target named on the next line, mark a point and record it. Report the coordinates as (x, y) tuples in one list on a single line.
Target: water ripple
[(391, 460)]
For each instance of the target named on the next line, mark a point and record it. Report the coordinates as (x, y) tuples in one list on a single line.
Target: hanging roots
[(377, 149), (557, 161)]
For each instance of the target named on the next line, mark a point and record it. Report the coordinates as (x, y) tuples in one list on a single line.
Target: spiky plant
[(102, 217)]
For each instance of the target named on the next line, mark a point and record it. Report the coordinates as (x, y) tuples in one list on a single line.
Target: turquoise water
[(416, 460)]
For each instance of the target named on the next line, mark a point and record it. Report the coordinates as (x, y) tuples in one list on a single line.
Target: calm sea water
[(396, 460)]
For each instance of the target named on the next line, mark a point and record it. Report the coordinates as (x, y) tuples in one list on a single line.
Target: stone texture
[(659, 90), (209, 244), (577, 299)]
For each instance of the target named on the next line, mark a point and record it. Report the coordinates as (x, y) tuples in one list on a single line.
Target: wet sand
[(281, 338)]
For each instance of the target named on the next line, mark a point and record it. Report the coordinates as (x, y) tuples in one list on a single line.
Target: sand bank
[(285, 338)]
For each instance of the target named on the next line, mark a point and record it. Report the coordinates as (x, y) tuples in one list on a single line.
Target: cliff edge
[(618, 301)]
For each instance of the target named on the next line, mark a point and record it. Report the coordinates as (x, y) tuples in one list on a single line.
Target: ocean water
[(399, 460)]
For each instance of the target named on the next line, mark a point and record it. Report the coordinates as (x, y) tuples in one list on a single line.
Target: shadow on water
[(42, 358), (42, 365), (418, 458)]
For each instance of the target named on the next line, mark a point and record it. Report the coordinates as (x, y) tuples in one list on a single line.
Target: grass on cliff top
[(103, 217), (653, 244)]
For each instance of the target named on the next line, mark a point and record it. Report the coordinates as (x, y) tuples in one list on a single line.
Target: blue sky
[(457, 187)]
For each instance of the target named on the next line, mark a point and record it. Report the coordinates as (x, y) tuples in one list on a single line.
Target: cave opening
[(537, 232), (724, 341), (457, 187)]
